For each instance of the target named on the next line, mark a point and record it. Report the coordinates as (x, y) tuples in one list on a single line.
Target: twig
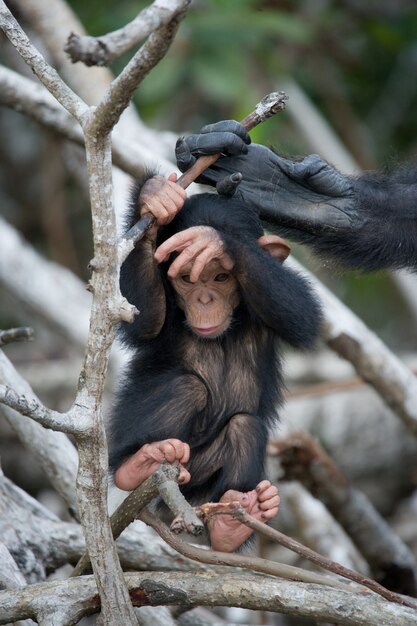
[(122, 88), (47, 75), (163, 483), (374, 362), (303, 459), (37, 411), (255, 564), (270, 104), (24, 333), (105, 49), (237, 511)]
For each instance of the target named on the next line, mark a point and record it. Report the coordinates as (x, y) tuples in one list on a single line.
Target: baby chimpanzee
[(204, 383)]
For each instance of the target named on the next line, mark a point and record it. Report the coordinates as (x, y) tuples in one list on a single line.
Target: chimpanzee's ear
[(275, 246)]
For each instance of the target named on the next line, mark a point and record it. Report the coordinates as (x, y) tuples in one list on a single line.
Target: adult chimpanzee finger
[(183, 155), (228, 185), (228, 126), (214, 142)]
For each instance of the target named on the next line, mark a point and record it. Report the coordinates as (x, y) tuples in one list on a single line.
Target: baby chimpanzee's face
[(209, 302)]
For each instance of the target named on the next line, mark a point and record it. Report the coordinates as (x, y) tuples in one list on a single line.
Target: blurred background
[(350, 69)]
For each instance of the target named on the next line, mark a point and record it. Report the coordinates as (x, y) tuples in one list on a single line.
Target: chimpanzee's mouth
[(209, 331)]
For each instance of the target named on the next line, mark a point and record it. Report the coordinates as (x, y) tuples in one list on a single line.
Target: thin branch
[(30, 98), (105, 49), (237, 511), (47, 75), (255, 564), (52, 20), (52, 450), (37, 411), (122, 88), (163, 483), (303, 459), (374, 362)]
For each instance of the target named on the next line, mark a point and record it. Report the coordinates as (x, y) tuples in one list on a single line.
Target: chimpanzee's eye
[(221, 278), (186, 278)]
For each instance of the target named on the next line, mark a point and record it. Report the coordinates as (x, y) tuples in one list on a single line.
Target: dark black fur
[(218, 395), (384, 232)]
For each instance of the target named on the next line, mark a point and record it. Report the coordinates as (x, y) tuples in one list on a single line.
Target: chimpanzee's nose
[(205, 296)]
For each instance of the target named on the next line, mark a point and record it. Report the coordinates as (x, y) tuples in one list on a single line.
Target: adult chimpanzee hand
[(307, 195)]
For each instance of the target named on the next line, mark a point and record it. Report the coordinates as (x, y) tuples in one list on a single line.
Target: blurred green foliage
[(228, 53), (356, 61)]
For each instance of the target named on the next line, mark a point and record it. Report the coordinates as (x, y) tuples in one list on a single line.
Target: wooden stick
[(268, 106)]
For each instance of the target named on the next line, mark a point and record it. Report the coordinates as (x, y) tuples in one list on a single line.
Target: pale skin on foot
[(226, 533)]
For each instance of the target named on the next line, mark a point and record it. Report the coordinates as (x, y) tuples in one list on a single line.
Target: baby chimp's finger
[(268, 493), (184, 476), (270, 504), (260, 487), (270, 514), (168, 451), (170, 245)]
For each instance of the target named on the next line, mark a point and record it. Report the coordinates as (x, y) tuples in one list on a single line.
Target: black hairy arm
[(279, 297), (368, 222), (141, 281)]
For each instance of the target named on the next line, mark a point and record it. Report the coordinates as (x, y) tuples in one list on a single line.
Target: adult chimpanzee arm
[(367, 223), (141, 282)]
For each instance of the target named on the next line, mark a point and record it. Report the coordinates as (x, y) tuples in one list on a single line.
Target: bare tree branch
[(391, 560), (38, 412), (78, 596), (163, 483), (46, 74), (374, 362), (237, 511), (53, 20), (53, 451), (123, 87), (92, 448), (43, 285), (26, 96), (235, 560), (10, 576), (105, 49)]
